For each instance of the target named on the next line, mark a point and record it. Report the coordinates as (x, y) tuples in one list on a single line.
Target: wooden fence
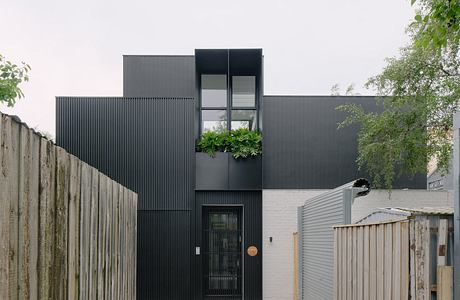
[(384, 261), (66, 230)]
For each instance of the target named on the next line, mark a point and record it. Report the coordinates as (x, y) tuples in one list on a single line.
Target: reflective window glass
[(213, 120), (213, 90), (244, 91), (244, 119)]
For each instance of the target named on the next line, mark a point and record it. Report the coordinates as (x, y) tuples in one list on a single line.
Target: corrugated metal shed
[(401, 213), (431, 214)]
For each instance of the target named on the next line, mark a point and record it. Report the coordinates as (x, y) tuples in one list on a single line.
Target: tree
[(418, 93), (350, 91), (437, 23), (11, 76)]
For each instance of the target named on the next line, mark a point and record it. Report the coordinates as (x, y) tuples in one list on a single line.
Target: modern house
[(200, 219)]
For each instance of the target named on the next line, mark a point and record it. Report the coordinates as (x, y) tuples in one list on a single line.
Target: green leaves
[(11, 76), (213, 141), (437, 23), (242, 142), (418, 95)]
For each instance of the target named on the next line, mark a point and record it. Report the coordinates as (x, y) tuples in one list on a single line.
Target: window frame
[(229, 108)]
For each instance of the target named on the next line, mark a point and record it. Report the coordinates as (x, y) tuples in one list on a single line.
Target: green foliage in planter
[(242, 143), (212, 141)]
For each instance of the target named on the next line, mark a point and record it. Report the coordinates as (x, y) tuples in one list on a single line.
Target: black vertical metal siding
[(158, 76), (163, 264), (145, 144), (303, 149), (252, 222)]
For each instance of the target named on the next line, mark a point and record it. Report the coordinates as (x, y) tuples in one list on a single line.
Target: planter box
[(223, 172), (245, 174), (211, 172)]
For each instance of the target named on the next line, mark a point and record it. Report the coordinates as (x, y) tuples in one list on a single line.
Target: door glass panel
[(222, 256), (213, 90), (244, 91)]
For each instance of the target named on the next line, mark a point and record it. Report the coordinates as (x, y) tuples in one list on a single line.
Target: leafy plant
[(437, 23), (11, 76), (420, 92), (242, 143), (212, 141)]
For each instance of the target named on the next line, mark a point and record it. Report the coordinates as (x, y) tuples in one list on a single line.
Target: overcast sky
[(76, 47)]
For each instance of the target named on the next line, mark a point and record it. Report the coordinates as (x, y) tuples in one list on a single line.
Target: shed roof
[(403, 213)]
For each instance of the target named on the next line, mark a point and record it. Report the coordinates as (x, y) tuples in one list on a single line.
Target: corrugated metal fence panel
[(146, 144), (252, 222), (164, 239), (319, 215), (303, 149), (158, 76)]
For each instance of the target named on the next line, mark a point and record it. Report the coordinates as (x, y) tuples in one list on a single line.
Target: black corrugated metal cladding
[(146, 144), (158, 76), (303, 149), (163, 264), (251, 201)]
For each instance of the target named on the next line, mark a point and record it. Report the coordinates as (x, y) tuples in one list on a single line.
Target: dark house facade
[(200, 219)]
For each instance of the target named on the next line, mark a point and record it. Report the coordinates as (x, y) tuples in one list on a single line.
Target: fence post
[(456, 172)]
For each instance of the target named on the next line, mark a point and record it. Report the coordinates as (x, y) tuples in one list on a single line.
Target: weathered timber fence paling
[(67, 231), (382, 261)]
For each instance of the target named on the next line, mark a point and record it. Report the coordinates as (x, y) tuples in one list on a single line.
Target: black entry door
[(222, 253)]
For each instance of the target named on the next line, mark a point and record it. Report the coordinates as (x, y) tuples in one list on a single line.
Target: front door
[(222, 253)]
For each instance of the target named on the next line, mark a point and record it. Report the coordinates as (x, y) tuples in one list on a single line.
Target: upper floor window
[(214, 90), (243, 91), (219, 111), (244, 119), (213, 120)]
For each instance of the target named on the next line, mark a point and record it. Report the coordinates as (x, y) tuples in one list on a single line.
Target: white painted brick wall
[(280, 222), (279, 211)]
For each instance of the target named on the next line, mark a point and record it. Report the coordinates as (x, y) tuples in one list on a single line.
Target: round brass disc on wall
[(252, 251)]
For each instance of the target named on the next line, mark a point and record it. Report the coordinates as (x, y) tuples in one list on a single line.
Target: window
[(243, 97), (213, 120), (244, 119), (219, 112), (214, 90), (243, 91)]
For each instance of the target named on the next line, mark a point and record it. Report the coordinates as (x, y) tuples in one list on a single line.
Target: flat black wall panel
[(158, 76), (163, 264), (223, 172), (303, 149), (145, 144), (211, 172), (252, 222)]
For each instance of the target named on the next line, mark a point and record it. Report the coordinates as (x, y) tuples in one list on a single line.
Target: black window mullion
[(229, 93), (214, 108)]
